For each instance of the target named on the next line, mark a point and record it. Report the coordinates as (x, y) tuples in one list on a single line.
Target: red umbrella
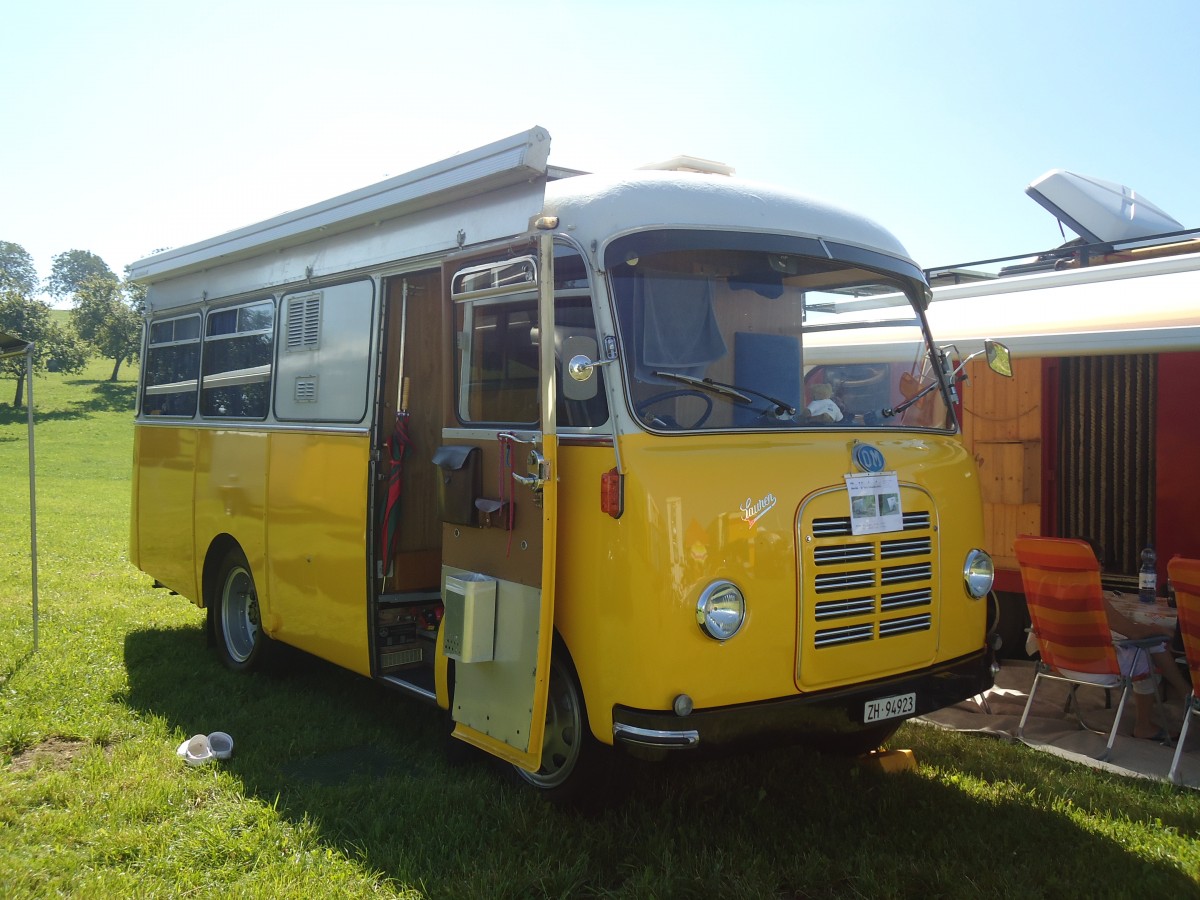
[(396, 444)]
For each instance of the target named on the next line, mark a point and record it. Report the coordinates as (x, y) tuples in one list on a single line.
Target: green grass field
[(339, 788)]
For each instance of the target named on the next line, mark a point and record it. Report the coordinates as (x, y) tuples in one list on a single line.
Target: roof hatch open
[(1099, 211)]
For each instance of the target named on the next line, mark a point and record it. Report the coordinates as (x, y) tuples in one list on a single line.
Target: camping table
[(1156, 613)]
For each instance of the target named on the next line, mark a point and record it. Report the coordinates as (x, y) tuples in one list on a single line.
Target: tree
[(107, 320), (134, 293), (53, 347), (17, 270), (69, 270)]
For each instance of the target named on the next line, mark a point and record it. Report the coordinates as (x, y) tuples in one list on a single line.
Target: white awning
[(1150, 306)]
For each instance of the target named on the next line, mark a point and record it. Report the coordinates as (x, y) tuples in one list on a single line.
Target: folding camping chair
[(1066, 607), (1185, 576)]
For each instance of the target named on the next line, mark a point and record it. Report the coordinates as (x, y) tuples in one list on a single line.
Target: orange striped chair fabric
[(1185, 577), (1066, 605)]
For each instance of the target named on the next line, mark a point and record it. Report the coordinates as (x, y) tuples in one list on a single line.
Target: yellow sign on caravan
[(664, 461)]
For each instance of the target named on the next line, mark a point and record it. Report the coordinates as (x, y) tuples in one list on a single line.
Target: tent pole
[(32, 490)]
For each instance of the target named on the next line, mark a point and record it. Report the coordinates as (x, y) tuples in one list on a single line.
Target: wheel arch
[(587, 680), (218, 549)]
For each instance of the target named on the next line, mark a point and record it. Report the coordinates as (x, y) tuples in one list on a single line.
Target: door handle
[(539, 472)]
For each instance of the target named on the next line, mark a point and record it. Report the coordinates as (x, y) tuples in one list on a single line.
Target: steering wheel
[(641, 408)]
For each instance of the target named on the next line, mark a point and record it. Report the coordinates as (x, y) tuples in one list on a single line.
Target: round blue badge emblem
[(867, 457)]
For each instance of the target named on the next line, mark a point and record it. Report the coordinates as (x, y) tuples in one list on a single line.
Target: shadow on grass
[(94, 397), (10, 415), (367, 766), (107, 396)]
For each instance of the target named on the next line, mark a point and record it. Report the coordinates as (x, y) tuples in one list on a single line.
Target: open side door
[(498, 468)]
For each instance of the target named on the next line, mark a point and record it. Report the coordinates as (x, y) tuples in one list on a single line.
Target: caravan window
[(172, 367), (498, 364), (238, 348)]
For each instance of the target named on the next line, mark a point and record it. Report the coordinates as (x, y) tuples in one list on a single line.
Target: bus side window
[(573, 317), (577, 321), (499, 337), (172, 367), (499, 365), (238, 348)]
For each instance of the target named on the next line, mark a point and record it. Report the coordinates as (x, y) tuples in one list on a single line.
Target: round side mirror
[(580, 368)]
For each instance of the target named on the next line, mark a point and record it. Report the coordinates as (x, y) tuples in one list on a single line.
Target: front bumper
[(838, 711)]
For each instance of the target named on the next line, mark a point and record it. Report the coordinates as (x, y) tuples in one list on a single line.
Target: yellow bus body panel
[(165, 492), (317, 544), (294, 502), (628, 587)]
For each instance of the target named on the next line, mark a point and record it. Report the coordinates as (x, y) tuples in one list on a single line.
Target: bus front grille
[(865, 591)]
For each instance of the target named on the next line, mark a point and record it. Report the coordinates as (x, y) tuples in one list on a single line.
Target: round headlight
[(978, 574), (721, 610)]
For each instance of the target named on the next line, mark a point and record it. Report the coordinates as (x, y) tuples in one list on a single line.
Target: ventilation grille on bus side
[(304, 322)]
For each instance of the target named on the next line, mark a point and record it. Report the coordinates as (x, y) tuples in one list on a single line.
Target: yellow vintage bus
[(663, 460)]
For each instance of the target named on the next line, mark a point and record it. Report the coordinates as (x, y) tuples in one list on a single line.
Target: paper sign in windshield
[(874, 503)]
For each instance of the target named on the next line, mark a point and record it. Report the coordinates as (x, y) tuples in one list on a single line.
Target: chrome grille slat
[(907, 547), (839, 527), (845, 581), (837, 609), (898, 574), (905, 599), (843, 553), (850, 634), (907, 625)]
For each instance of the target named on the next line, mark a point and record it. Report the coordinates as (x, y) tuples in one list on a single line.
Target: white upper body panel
[(596, 208), (484, 195)]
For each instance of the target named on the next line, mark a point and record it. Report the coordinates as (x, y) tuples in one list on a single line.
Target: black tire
[(572, 759), (240, 639)]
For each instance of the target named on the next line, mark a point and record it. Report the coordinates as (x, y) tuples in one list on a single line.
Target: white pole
[(32, 490)]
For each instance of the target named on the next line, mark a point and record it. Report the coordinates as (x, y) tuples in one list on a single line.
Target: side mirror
[(998, 357), (580, 352)]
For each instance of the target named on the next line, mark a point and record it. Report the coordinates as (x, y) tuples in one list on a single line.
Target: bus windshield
[(739, 331)]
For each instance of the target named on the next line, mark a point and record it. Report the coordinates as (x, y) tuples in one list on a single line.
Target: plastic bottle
[(1148, 576)]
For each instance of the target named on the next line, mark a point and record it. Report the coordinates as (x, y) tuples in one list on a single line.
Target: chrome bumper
[(789, 718)]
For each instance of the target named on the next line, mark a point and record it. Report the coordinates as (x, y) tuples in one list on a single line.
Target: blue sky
[(138, 126)]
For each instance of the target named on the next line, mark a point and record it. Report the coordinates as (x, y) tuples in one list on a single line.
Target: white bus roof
[(600, 207), (487, 194)]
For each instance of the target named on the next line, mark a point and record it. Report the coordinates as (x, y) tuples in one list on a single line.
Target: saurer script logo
[(752, 511)]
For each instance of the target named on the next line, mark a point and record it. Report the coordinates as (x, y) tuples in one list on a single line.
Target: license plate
[(890, 707)]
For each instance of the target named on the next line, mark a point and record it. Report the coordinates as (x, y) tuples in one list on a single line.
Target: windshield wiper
[(781, 409), (716, 387), (736, 391)]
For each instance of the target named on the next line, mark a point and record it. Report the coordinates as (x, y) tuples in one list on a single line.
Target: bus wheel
[(240, 637), (571, 756)]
